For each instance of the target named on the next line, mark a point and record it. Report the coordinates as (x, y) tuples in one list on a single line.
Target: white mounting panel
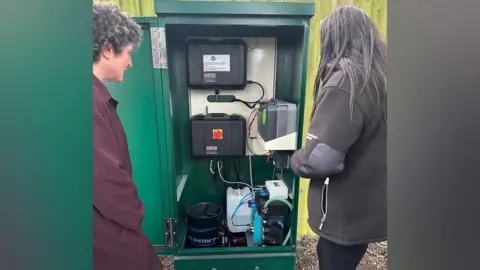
[(260, 68)]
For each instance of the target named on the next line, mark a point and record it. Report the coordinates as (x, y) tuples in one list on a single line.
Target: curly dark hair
[(113, 28)]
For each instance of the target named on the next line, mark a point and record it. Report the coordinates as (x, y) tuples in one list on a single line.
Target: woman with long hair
[(345, 154)]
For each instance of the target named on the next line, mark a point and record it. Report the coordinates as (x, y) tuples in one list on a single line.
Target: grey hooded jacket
[(345, 157)]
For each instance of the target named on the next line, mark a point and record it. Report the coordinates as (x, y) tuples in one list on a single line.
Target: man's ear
[(107, 52)]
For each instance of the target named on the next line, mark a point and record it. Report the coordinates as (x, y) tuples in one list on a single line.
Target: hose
[(279, 199), (241, 202)]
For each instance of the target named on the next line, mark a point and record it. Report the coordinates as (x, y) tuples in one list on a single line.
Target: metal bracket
[(159, 47), (171, 226)]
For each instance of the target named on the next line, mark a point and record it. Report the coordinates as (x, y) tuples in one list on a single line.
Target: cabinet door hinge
[(171, 235)]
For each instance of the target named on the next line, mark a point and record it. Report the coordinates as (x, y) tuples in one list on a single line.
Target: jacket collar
[(103, 91)]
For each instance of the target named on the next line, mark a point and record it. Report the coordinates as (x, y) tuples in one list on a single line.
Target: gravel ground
[(167, 262), (375, 258)]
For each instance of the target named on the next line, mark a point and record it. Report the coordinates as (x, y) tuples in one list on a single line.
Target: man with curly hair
[(118, 240)]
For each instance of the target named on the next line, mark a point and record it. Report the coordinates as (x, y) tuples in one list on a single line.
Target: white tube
[(251, 174)]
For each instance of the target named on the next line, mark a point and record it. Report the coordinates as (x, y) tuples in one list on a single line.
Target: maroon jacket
[(118, 240)]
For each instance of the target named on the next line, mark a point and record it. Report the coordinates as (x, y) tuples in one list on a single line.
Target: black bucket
[(203, 223)]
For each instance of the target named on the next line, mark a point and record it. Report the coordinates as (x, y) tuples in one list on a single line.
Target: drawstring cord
[(324, 191)]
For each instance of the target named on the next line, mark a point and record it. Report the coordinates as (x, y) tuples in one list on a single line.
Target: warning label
[(216, 63)]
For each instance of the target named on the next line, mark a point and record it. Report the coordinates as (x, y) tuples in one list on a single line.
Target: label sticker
[(209, 77), (202, 242), (216, 63), (211, 150)]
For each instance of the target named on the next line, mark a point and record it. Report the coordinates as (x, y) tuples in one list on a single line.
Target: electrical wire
[(251, 173), (254, 113), (263, 90), (219, 168), (255, 103)]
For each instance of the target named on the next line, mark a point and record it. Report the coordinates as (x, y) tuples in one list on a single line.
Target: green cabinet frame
[(143, 110)]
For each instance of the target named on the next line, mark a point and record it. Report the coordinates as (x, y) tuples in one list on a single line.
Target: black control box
[(218, 135), (217, 64)]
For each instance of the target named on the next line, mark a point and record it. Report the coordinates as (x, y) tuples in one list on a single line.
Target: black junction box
[(218, 135), (217, 64)]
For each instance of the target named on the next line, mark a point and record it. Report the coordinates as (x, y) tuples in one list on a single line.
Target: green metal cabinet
[(154, 108)]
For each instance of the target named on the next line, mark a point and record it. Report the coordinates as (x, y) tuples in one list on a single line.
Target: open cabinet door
[(142, 110)]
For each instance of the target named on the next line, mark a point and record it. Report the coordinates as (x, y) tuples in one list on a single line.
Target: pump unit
[(266, 209)]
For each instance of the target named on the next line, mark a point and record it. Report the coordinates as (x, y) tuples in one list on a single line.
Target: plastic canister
[(242, 218)]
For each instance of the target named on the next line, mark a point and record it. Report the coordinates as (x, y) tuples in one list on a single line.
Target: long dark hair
[(350, 42)]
